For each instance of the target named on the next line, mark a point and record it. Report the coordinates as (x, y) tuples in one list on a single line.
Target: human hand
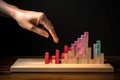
[(30, 20)]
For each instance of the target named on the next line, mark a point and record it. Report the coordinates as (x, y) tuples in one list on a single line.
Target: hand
[(30, 20)]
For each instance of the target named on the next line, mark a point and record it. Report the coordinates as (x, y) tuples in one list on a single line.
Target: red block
[(53, 57), (57, 56), (47, 58), (62, 55), (69, 48), (66, 48), (50, 60)]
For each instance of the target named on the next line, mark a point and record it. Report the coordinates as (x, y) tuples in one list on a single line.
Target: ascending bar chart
[(78, 57), (80, 53)]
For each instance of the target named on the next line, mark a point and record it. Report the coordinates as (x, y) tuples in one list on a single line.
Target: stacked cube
[(78, 53)]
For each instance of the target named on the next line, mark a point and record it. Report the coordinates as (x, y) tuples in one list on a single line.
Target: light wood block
[(38, 65)]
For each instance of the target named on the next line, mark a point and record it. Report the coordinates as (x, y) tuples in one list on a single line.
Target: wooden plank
[(38, 65)]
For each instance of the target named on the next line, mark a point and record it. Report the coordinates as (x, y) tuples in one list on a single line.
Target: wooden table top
[(5, 74)]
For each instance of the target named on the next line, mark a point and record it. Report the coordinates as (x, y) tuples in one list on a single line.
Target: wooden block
[(62, 61), (89, 52), (53, 59), (57, 56), (38, 65), (66, 58), (69, 61), (74, 60), (66, 48), (70, 54), (98, 60), (87, 38), (85, 60), (80, 59), (62, 58), (102, 58), (90, 61), (95, 51), (47, 58)]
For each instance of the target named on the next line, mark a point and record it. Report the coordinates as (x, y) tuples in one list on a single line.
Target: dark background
[(70, 19)]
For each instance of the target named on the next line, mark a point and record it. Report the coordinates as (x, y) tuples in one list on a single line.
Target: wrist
[(7, 9), (15, 12)]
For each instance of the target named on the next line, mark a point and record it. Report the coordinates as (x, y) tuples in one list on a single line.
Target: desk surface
[(5, 74)]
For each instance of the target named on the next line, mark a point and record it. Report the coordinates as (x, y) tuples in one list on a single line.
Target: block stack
[(78, 52)]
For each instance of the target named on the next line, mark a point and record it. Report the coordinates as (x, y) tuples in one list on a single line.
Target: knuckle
[(41, 17), (51, 28), (42, 14)]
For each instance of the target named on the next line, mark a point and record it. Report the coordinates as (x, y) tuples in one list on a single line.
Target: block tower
[(78, 52)]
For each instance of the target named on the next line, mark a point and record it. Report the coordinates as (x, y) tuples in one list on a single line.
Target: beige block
[(98, 60), (73, 60), (66, 61), (85, 60), (69, 61), (70, 54), (62, 61), (77, 59), (91, 61), (53, 61), (87, 56), (80, 59), (89, 52), (66, 56), (102, 58)]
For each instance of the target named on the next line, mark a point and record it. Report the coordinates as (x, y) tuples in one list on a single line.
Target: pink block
[(73, 47)]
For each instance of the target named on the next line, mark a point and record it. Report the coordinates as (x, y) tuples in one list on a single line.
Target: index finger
[(48, 25)]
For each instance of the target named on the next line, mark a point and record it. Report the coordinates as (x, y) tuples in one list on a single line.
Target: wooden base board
[(38, 65)]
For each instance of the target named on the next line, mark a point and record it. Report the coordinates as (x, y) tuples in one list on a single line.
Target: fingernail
[(56, 40), (46, 35)]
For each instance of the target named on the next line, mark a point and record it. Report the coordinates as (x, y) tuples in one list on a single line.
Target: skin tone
[(29, 20)]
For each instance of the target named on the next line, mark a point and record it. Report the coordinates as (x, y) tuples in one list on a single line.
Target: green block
[(98, 47)]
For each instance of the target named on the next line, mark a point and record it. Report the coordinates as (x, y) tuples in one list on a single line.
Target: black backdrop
[(70, 19)]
